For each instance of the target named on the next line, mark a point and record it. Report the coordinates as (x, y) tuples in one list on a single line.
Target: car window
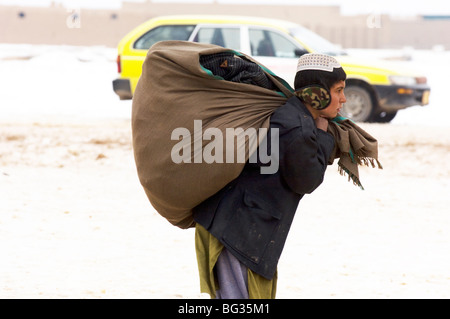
[(226, 37), (316, 42), (163, 33), (272, 44)]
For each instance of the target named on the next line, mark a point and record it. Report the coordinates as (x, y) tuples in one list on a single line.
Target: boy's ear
[(315, 95)]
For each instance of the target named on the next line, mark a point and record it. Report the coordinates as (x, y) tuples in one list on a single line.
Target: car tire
[(359, 105)]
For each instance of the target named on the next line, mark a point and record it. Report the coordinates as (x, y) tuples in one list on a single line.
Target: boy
[(241, 230)]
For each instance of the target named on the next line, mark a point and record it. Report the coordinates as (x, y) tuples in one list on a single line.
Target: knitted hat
[(316, 61)]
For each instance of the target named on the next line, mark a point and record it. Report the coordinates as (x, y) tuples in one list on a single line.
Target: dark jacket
[(252, 215)]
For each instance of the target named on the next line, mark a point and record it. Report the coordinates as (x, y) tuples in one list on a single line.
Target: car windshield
[(316, 42)]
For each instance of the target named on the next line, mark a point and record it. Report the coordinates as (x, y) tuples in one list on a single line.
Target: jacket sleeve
[(306, 158)]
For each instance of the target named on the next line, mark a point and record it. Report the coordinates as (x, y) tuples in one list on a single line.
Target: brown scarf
[(353, 147)]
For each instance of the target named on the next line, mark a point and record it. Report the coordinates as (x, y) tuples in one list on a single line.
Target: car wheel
[(359, 105)]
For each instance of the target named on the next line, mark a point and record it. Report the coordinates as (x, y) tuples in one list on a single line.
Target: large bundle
[(185, 89)]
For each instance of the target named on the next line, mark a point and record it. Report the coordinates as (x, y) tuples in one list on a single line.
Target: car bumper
[(393, 97), (122, 88)]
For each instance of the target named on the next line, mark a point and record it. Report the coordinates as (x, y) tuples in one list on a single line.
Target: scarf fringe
[(369, 160), (351, 177), (364, 160), (348, 135)]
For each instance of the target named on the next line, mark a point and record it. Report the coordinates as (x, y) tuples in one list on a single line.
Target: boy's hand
[(321, 123)]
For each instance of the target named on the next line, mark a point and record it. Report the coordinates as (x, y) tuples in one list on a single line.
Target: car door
[(276, 51)]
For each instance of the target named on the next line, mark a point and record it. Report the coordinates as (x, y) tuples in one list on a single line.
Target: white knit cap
[(316, 61)]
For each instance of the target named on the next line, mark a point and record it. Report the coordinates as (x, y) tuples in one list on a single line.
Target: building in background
[(74, 26)]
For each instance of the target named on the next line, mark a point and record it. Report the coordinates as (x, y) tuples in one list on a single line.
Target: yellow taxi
[(375, 90)]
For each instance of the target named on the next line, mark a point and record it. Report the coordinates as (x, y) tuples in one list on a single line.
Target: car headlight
[(402, 80)]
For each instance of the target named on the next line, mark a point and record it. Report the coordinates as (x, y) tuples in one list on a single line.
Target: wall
[(60, 25)]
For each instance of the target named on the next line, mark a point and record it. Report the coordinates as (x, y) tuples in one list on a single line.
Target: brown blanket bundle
[(174, 93)]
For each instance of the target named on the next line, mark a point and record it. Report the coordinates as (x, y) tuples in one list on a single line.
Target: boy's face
[(337, 100)]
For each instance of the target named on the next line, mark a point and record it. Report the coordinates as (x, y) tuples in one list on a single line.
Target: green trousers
[(208, 249)]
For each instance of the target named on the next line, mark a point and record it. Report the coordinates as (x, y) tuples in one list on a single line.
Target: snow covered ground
[(75, 223)]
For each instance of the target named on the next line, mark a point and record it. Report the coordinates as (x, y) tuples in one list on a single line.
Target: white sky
[(394, 7)]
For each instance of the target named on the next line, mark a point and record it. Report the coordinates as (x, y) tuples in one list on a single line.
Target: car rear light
[(119, 67)]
